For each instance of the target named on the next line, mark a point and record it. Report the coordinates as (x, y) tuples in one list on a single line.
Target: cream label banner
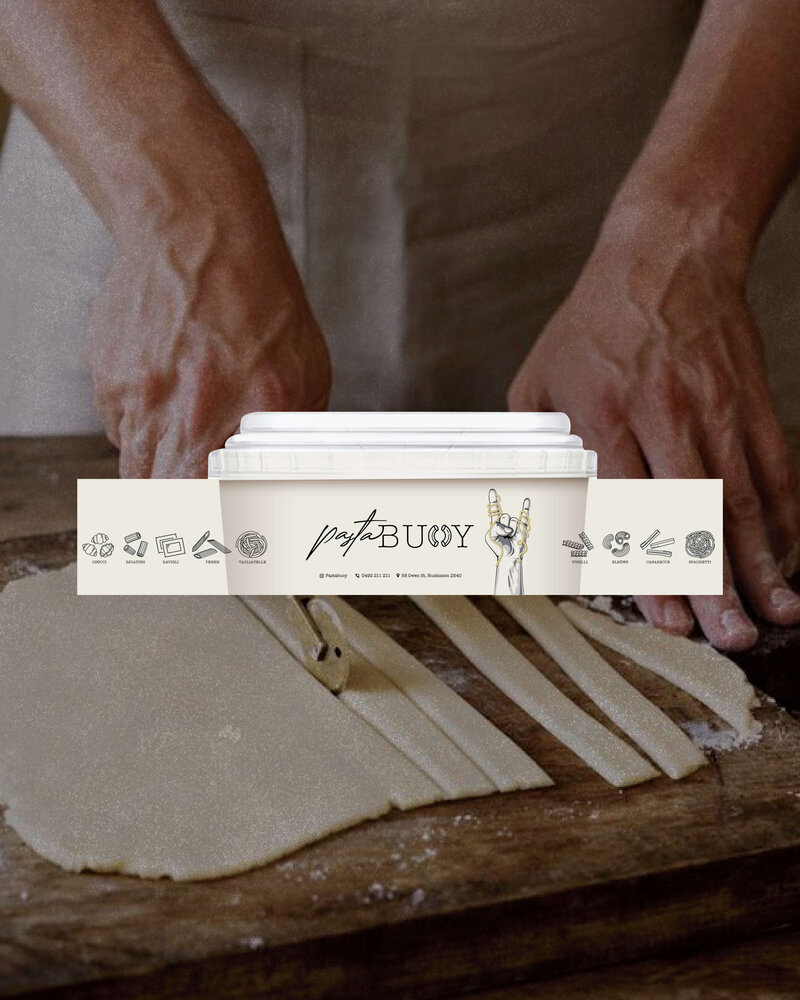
[(453, 536)]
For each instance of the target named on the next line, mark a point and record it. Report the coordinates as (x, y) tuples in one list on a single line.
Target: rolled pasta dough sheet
[(517, 677), (635, 715), (696, 668), (174, 736), (506, 764)]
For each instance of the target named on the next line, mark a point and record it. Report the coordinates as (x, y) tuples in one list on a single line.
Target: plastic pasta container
[(467, 503)]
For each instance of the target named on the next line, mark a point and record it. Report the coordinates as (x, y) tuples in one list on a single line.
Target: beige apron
[(441, 170)]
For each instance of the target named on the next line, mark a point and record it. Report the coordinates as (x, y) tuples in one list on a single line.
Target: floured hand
[(657, 360), (200, 322)]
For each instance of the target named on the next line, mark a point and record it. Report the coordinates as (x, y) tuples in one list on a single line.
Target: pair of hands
[(654, 355)]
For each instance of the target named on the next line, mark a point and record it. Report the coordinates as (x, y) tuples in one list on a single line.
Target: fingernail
[(676, 616), (736, 625), (784, 599)]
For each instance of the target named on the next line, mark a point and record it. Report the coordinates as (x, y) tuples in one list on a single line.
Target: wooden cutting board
[(446, 899)]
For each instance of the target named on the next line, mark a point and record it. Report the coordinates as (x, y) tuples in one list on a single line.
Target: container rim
[(402, 445)]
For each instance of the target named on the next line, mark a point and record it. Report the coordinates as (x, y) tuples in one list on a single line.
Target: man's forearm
[(728, 138), (111, 90)]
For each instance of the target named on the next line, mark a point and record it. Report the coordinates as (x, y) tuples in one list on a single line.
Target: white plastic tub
[(401, 503), (404, 502)]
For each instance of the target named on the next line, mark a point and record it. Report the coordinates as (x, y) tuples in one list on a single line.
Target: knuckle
[(721, 421), (717, 389), (667, 395), (742, 505), (153, 388), (607, 411), (776, 459), (279, 395), (783, 481), (296, 378)]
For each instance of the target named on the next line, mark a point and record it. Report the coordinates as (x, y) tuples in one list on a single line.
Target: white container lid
[(402, 445)]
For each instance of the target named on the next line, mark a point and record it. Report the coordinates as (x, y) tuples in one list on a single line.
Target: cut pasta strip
[(696, 668), (506, 764), (659, 737), (517, 677), (372, 696)]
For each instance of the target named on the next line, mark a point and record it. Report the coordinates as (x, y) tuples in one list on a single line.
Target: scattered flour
[(604, 605), (711, 736), (425, 855), (458, 678), (19, 568), (229, 732), (417, 897), (378, 892), (253, 943)]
